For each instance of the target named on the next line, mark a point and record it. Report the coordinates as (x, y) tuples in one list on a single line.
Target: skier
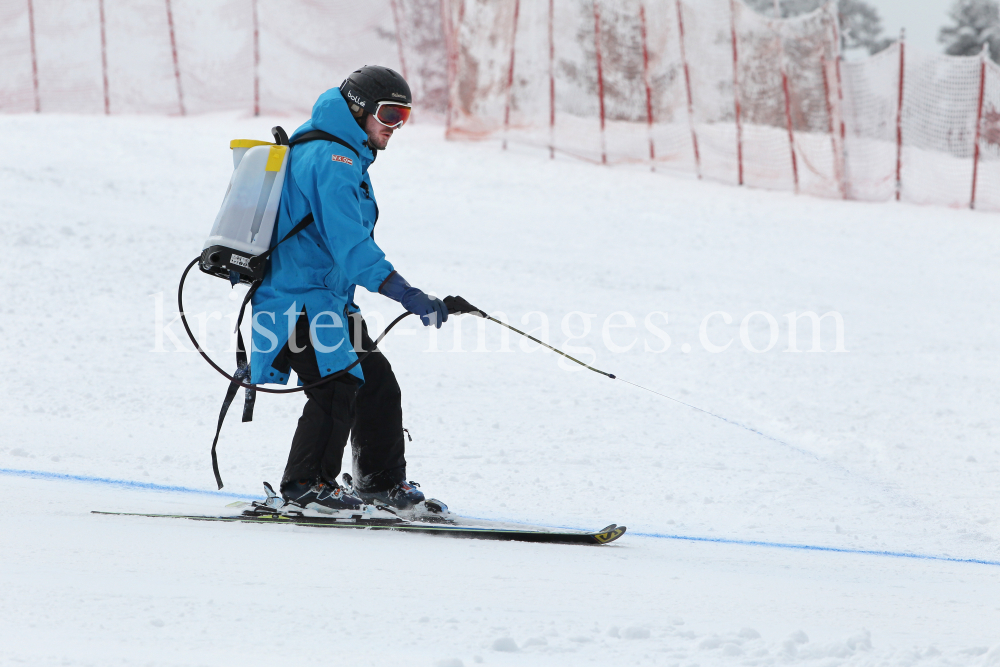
[(305, 317)]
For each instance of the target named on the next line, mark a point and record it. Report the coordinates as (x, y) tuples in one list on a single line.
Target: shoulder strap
[(320, 135)]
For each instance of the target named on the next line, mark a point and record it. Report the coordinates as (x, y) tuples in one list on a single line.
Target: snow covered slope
[(891, 445)]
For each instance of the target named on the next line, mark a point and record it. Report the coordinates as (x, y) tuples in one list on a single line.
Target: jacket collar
[(331, 114)]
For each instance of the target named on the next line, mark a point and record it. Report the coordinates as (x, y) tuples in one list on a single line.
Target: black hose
[(248, 385)]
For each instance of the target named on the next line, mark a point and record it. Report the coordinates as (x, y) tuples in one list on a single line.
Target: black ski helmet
[(372, 84)]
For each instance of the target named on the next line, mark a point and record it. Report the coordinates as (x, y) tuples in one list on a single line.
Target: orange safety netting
[(704, 87)]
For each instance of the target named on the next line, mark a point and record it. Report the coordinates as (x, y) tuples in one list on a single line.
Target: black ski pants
[(371, 415)]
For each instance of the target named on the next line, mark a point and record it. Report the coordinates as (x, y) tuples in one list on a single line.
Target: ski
[(452, 527)]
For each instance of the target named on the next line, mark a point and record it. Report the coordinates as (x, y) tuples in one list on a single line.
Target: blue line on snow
[(121, 483), (811, 547), (129, 484)]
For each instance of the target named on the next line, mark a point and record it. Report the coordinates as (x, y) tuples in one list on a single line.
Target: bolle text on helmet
[(402, 97), (357, 100)]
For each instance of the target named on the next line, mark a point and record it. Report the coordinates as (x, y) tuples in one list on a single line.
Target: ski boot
[(403, 497), (320, 496)]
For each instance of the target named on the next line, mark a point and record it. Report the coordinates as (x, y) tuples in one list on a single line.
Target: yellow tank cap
[(248, 143)]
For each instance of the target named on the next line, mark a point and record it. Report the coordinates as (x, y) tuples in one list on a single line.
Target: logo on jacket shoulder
[(341, 158)]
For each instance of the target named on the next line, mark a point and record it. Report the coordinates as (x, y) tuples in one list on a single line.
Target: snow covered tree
[(624, 88), (975, 22), (788, 7), (860, 23), (861, 27)]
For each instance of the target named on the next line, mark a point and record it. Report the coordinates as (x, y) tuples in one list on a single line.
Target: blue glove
[(431, 310)]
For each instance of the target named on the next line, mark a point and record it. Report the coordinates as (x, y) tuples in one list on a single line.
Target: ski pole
[(459, 306), (530, 337)]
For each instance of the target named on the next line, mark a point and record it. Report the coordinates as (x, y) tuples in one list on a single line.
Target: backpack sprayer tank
[(245, 223)]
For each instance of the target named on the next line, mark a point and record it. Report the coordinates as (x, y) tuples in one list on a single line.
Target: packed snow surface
[(890, 445)]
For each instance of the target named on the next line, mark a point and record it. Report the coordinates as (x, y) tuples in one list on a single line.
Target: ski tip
[(609, 534)]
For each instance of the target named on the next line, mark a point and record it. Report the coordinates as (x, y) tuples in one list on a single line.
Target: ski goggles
[(392, 114)]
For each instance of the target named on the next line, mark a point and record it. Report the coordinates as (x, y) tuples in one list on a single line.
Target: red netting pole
[(839, 161), (173, 50), (552, 84), (510, 73), (600, 77), (788, 98), (846, 179), (791, 134), (34, 56), (256, 60), (649, 92), (736, 92), (449, 39), (979, 124), (399, 37), (831, 128), (840, 99), (104, 59), (687, 86), (899, 117), (835, 26)]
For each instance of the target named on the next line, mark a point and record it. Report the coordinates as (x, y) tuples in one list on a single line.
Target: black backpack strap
[(320, 135), (260, 260), (242, 373)]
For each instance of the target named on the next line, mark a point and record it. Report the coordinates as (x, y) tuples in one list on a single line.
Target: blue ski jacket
[(317, 269)]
